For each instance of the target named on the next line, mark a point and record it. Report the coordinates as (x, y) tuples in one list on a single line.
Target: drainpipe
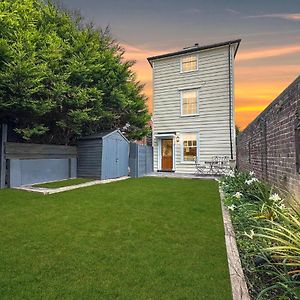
[(230, 100)]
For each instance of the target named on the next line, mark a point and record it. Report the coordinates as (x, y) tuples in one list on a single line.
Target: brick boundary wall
[(270, 145)]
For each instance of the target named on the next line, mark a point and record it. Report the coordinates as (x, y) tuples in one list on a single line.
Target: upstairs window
[(189, 147), (189, 63), (189, 102)]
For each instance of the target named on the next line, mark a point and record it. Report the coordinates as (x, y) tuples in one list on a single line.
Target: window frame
[(181, 63), (182, 147), (197, 102)]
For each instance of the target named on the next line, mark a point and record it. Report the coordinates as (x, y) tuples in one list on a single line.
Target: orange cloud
[(271, 52), (136, 53), (250, 108), (257, 86), (266, 71), (244, 118), (291, 17), (141, 68)]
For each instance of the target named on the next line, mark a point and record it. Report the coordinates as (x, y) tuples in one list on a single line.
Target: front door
[(166, 154)]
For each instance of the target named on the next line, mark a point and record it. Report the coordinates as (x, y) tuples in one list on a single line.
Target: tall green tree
[(60, 79)]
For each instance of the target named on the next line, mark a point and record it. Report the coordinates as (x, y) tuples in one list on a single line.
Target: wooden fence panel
[(38, 151), (23, 163), (140, 160)]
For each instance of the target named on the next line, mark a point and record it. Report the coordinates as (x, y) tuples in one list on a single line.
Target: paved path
[(179, 175), (47, 191)]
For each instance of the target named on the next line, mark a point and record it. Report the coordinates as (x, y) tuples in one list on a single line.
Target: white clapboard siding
[(212, 122)]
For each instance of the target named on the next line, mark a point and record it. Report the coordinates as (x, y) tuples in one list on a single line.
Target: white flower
[(252, 173), (231, 173), (250, 235), (250, 181), (275, 197), (231, 207), (238, 195)]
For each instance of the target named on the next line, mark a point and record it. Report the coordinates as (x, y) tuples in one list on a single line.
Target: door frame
[(159, 157)]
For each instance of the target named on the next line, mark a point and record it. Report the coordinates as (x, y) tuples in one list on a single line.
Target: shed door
[(115, 158), (122, 158)]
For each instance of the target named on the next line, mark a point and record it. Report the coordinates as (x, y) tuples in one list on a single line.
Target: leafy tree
[(60, 79)]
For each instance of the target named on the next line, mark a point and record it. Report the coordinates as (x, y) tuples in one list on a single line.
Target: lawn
[(148, 238), (63, 183)]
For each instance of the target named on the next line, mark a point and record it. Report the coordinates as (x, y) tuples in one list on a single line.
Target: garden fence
[(23, 163), (140, 160)]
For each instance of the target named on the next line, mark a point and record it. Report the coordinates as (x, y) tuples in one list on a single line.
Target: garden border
[(237, 278)]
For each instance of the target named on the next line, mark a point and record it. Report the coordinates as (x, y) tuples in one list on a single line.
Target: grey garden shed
[(103, 156)]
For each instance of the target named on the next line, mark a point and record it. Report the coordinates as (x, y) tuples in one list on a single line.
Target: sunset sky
[(268, 58)]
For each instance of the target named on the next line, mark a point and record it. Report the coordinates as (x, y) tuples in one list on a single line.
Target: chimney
[(196, 45)]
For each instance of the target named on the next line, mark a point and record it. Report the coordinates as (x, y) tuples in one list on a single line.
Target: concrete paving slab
[(179, 175), (47, 191)]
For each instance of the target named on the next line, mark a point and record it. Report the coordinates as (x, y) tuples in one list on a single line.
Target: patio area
[(180, 175)]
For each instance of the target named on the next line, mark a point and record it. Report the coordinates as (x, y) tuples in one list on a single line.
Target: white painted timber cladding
[(212, 123)]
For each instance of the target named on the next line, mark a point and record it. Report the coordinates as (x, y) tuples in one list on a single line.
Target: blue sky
[(269, 56)]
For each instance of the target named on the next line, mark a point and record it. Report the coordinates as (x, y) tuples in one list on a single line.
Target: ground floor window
[(189, 146)]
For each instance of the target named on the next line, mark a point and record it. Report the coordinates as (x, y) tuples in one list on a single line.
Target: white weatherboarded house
[(193, 106)]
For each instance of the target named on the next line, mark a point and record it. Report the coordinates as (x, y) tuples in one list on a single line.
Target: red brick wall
[(268, 145)]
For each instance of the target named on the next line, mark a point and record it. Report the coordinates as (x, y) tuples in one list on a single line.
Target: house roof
[(195, 49), (102, 134)]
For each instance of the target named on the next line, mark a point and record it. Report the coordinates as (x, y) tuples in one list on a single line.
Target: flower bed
[(268, 236)]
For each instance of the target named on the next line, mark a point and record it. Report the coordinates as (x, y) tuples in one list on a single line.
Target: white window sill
[(193, 115), (188, 162)]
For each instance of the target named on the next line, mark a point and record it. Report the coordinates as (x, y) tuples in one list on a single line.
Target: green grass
[(148, 238), (63, 183)]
